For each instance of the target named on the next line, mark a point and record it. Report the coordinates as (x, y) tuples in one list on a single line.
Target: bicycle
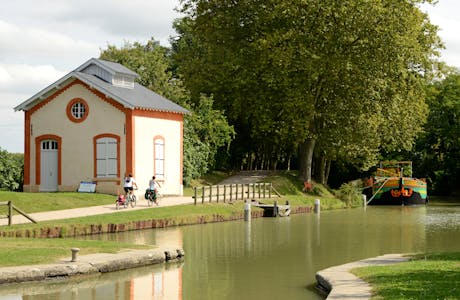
[(153, 197), (131, 198)]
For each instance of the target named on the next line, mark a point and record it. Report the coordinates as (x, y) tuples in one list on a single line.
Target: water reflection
[(265, 258)]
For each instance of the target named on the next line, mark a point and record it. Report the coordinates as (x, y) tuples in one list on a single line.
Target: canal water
[(266, 258)]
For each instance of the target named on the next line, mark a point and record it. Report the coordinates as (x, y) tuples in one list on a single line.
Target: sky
[(41, 41)]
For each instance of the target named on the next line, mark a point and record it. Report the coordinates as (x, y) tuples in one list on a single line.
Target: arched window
[(159, 155)]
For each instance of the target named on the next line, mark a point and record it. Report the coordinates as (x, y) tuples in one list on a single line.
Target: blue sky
[(41, 41)]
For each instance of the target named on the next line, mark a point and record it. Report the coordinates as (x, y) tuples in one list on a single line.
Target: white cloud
[(27, 78), (30, 44)]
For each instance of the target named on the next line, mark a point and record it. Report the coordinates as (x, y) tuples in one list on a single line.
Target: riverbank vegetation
[(426, 276)]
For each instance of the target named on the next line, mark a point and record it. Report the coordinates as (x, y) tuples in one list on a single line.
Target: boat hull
[(399, 191)]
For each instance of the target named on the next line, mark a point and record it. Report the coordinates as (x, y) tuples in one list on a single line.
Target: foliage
[(206, 130), (350, 194), (438, 149), (205, 133), (349, 75), (11, 171)]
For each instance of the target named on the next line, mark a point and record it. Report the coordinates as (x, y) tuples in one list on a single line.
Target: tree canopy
[(340, 79)]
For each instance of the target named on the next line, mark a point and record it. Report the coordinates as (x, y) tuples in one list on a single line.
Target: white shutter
[(106, 157)]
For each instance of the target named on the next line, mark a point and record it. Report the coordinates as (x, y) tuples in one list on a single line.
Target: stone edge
[(90, 264), (341, 284)]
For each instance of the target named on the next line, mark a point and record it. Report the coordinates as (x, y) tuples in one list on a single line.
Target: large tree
[(438, 148), (347, 76)]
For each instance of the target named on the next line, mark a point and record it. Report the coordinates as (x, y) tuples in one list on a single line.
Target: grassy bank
[(37, 202), (430, 276), (16, 252)]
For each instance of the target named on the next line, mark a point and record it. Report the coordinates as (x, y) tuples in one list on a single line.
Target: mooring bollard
[(74, 253), (247, 211), (317, 208)]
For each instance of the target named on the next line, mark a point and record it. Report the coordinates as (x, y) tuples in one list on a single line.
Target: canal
[(266, 258)]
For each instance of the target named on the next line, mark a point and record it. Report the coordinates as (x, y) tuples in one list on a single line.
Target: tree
[(345, 76), (438, 148), (11, 171), (205, 130)]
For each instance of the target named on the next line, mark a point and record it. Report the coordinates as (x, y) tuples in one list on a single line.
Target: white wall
[(145, 131)]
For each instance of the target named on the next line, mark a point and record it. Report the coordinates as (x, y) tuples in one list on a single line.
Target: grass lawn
[(37, 202), (15, 252), (430, 276)]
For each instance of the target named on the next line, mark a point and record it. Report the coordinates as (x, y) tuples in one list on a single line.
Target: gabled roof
[(137, 97), (109, 66)]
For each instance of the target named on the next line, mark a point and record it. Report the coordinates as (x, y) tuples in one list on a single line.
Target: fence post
[(195, 192), (225, 192), (258, 185), (202, 195), (10, 213), (253, 190), (218, 192), (265, 187), (231, 192), (270, 191), (236, 191), (210, 194)]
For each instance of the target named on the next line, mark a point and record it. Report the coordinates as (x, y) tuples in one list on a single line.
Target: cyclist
[(153, 186), (129, 184)]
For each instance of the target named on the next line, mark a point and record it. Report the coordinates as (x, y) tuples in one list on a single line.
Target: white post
[(247, 211), (317, 208)]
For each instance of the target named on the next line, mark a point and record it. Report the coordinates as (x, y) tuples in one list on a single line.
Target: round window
[(77, 110)]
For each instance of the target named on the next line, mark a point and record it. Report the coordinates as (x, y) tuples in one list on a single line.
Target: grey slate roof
[(107, 65), (137, 97)]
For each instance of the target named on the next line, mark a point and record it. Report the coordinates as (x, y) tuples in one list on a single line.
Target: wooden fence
[(9, 213), (232, 192)]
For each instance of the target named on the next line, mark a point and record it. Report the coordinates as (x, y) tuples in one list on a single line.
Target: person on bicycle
[(129, 184), (153, 185)]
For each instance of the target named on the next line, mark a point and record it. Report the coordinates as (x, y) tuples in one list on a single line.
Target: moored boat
[(393, 184)]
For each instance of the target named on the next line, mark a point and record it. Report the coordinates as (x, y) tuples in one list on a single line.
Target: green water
[(267, 258)]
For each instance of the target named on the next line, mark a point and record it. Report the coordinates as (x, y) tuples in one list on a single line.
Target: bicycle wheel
[(150, 199), (133, 200)]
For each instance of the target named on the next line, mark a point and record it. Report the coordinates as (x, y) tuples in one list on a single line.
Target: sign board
[(87, 187)]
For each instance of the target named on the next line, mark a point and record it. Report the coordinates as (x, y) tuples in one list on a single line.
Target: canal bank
[(90, 264), (339, 283)]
